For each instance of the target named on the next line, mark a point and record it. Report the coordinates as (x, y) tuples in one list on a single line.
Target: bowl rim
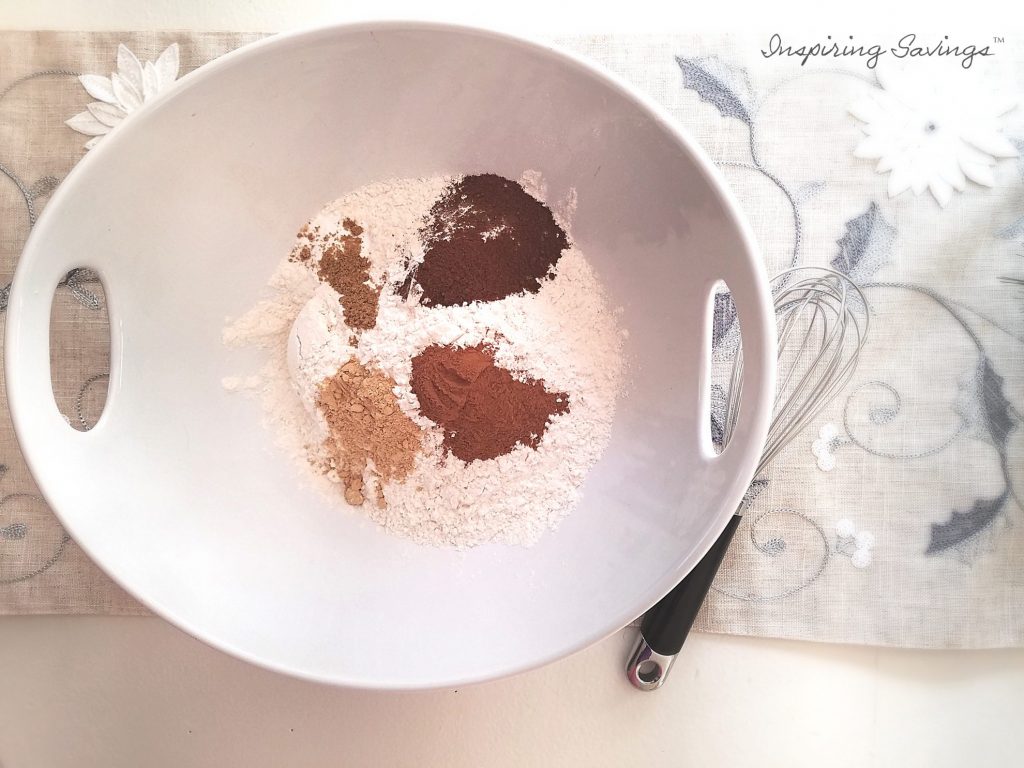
[(716, 181)]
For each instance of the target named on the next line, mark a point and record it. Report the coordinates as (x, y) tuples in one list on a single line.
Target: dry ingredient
[(365, 425), (343, 267), (498, 407), (484, 411), (485, 239)]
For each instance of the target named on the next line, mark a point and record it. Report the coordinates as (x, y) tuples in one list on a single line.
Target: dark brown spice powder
[(484, 239)]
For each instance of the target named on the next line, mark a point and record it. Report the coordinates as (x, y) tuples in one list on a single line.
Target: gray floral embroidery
[(728, 89), (864, 249), (984, 406), (77, 283), (809, 191), (963, 526), (768, 537), (14, 531), (1013, 231), (866, 246), (719, 84)]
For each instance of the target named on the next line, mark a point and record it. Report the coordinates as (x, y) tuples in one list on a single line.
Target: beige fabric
[(35, 144), (790, 573)]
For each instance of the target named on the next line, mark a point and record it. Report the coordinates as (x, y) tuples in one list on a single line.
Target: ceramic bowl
[(184, 210)]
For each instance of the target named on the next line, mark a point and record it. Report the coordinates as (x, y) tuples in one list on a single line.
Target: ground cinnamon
[(485, 411)]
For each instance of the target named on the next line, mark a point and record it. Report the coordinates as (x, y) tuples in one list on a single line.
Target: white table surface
[(110, 692)]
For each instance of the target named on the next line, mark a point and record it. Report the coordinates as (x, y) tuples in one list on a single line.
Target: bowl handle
[(756, 312), (30, 396), (666, 624)]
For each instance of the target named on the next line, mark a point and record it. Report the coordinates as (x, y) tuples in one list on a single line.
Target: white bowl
[(185, 210)]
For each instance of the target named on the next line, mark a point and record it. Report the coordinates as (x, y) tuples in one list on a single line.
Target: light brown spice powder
[(343, 267), (366, 425)]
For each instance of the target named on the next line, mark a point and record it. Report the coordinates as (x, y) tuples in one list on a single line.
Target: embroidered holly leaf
[(807, 191), (866, 246), (961, 526), (983, 404), (44, 185), (723, 318), (1014, 231), (995, 408), (725, 87)]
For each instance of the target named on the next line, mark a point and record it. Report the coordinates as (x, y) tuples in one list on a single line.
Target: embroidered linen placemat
[(897, 518)]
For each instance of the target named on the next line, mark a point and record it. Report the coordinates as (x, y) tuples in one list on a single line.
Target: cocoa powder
[(484, 239), (365, 425), (484, 411)]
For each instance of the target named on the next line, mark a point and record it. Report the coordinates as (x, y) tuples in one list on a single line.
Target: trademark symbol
[(998, 39)]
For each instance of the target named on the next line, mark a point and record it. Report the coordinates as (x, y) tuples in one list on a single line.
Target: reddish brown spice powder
[(485, 412)]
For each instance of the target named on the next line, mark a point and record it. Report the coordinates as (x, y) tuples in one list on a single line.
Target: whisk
[(822, 320)]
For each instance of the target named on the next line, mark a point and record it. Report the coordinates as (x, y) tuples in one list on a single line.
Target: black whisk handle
[(665, 626)]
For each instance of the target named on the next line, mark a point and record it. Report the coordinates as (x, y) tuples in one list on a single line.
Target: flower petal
[(900, 180), (979, 173), (93, 142), (107, 114), (129, 68), (167, 66), (941, 190), (150, 81), (85, 123), (127, 97), (98, 87), (861, 558), (991, 142), (870, 147), (949, 170), (866, 109)]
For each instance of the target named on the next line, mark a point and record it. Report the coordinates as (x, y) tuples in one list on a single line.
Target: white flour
[(565, 334)]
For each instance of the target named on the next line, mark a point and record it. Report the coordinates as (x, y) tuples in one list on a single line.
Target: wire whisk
[(822, 320)]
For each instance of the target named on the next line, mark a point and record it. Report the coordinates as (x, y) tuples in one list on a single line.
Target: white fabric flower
[(865, 540), (845, 528), (854, 544), (932, 129), (861, 558), (823, 447), (127, 89)]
